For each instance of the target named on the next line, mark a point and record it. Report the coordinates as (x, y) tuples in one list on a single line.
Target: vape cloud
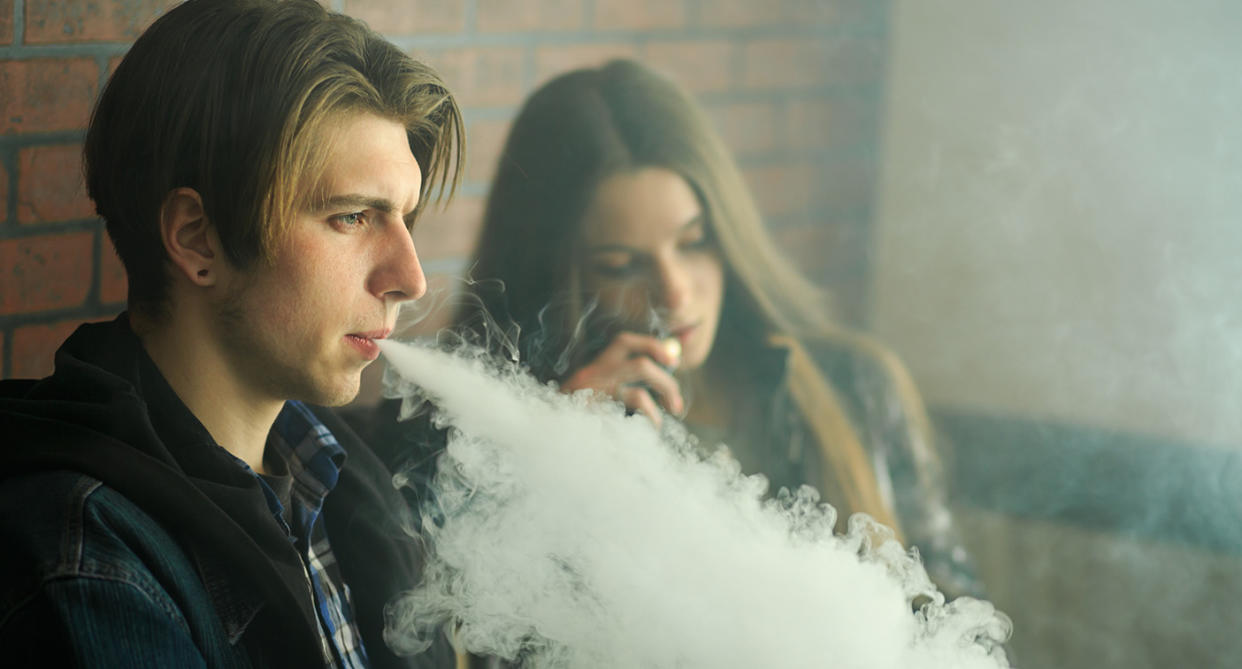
[(565, 534)]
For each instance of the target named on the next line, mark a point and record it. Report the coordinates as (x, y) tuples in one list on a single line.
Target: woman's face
[(648, 250)]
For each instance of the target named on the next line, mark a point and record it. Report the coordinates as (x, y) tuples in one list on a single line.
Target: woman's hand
[(635, 369)]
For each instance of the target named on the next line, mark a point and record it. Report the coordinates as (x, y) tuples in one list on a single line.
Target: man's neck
[(237, 417)]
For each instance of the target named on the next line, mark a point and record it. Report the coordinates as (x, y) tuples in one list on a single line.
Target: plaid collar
[(314, 456), (314, 460)]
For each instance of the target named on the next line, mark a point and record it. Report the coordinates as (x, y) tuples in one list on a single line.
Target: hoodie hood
[(108, 413)]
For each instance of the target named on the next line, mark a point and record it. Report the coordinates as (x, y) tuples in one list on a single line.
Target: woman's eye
[(615, 266), (700, 238), (615, 270), (703, 243)]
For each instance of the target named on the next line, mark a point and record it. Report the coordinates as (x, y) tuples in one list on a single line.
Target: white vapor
[(568, 535)]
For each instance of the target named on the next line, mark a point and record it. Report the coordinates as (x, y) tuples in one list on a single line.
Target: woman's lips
[(683, 334)]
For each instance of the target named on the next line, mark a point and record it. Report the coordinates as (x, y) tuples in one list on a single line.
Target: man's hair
[(234, 98)]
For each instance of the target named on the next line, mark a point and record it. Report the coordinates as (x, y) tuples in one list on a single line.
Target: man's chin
[(334, 394)]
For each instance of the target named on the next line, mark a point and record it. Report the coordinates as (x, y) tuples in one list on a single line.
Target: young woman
[(621, 231)]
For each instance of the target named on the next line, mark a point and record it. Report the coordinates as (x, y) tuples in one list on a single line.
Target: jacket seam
[(166, 607), (72, 562), (74, 543)]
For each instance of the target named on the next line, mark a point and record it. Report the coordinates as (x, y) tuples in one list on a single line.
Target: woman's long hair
[(587, 125)]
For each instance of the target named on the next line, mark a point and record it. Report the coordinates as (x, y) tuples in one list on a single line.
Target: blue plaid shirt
[(314, 460)]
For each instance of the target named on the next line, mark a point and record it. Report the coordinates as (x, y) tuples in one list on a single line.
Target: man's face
[(303, 327)]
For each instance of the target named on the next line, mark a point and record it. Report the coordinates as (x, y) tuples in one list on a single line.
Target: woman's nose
[(673, 286)]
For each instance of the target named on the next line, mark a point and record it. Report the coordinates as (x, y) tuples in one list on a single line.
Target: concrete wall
[(1057, 238), (1058, 215)]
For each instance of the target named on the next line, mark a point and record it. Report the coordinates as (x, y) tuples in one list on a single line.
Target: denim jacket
[(109, 586), (127, 544)]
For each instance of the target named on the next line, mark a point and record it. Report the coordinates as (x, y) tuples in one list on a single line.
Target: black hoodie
[(108, 413)]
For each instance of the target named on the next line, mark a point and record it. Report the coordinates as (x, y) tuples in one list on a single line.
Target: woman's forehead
[(638, 206)]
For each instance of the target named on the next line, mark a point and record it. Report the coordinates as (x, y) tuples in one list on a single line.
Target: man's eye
[(350, 220)]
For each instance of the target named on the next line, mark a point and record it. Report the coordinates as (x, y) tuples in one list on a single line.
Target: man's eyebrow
[(359, 201)]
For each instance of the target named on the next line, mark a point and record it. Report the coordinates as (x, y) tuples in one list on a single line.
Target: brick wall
[(795, 87)]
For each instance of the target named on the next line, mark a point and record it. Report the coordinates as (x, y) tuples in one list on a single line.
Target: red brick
[(818, 13), (748, 127), (831, 254), (553, 60), (822, 14), (846, 185), (639, 14), (46, 94), (739, 14), (483, 76), (700, 66), (53, 21), (781, 189), (822, 248), (827, 124), (497, 16), (113, 283), (485, 140), (50, 186), (801, 187), (38, 273), (410, 17), (6, 34), (809, 62), (34, 347), (4, 194), (450, 234)]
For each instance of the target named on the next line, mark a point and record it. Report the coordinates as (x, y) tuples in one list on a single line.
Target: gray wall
[(1057, 238)]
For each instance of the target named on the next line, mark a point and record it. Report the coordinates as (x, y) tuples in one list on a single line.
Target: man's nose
[(398, 276)]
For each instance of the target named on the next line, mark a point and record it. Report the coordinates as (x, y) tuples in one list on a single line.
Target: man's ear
[(190, 238)]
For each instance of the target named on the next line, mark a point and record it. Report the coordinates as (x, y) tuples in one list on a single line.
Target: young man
[(170, 496)]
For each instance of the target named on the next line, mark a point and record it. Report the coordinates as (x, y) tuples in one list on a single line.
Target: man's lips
[(364, 342), (373, 334)]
